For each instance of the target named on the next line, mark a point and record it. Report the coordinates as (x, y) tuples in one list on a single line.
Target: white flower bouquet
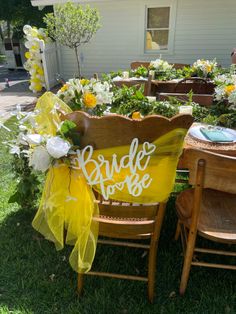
[(40, 150), (85, 94), (205, 68), (226, 92), (160, 65)]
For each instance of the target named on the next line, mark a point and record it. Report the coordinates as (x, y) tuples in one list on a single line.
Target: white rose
[(40, 159), (35, 139), (57, 147), (27, 29)]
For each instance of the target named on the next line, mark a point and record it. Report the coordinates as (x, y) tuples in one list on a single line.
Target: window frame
[(171, 28)]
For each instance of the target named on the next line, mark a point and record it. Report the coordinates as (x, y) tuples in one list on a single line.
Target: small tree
[(72, 25)]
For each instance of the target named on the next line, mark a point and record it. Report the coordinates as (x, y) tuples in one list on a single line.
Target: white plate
[(195, 132)]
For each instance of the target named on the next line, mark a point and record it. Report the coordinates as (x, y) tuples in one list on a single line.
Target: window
[(157, 28)]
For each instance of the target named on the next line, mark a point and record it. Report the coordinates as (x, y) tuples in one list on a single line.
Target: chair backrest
[(136, 64), (116, 130), (219, 170), (156, 140)]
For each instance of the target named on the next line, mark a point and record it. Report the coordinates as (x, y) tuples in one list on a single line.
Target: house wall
[(203, 29)]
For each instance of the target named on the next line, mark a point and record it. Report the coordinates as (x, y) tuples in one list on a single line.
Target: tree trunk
[(8, 29), (1, 33), (77, 59)]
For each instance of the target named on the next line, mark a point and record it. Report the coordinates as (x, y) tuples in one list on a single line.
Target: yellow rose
[(136, 115), (229, 89), (64, 88), (89, 100)]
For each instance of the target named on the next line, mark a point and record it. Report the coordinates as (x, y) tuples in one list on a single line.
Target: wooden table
[(228, 149), (197, 85)]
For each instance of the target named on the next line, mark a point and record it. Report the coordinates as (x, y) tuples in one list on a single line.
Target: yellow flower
[(89, 100), (136, 115), (209, 68), (84, 82), (229, 89), (28, 55), (64, 88)]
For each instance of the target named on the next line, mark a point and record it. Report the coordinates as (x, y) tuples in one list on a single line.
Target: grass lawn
[(35, 278)]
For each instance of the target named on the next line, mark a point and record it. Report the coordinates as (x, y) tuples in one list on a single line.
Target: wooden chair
[(122, 220), (208, 209)]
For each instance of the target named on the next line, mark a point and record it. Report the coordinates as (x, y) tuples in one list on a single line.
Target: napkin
[(216, 135)]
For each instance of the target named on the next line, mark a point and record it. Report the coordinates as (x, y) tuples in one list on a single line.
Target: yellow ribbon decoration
[(68, 202)]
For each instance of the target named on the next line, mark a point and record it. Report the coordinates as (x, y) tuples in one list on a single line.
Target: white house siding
[(203, 29)]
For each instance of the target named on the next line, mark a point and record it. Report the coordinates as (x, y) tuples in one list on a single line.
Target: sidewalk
[(17, 93)]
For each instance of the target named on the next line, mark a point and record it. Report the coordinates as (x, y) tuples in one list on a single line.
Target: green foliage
[(17, 13), (140, 71), (67, 127), (28, 185), (68, 131), (127, 100), (109, 76), (164, 108), (72, 25)]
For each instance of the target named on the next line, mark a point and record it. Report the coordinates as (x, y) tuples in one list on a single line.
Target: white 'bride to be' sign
[(135, 160)]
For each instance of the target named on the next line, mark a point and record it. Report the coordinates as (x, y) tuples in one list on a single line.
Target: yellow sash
[(68, 201)]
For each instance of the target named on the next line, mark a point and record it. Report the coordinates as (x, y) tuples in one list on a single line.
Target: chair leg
[(151, 272), (187, 262), (80, 284), (153, 251), (177, 232)]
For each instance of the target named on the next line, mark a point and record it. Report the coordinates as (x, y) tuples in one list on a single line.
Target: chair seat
[(217, 219)]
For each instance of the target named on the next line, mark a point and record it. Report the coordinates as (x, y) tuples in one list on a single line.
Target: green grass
[(35, 278)]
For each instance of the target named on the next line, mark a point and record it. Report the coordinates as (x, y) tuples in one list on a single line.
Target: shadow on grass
[(37, 279)]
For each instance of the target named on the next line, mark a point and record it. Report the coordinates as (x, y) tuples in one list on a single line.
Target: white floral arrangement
[(204, 68), (34, 60), (85, 94), (225, 79), (160, 65), (41, 150), (226, 92)]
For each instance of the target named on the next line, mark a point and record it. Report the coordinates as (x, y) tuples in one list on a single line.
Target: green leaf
[(67, 126)]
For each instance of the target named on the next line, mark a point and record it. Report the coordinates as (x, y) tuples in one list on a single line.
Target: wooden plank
[(211, 265), (118, 276), (125, 210)]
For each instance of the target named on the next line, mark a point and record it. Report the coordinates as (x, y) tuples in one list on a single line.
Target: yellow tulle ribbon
[(68, 204)]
